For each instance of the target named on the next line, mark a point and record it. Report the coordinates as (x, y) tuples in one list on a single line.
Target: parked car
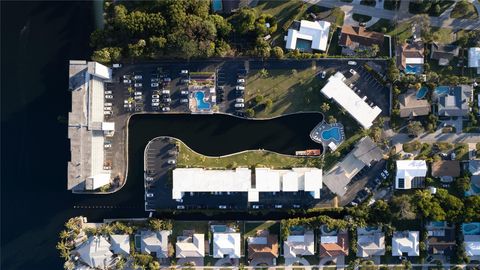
[(184, 92), (166, 100), (155, 100), (155, 104), (184, 71), (222, 207), (126, 76), (166, 109), (353, 71), (149, 195), (108, 104), (108, 92), (352, 63), (154, 84), (165, 91), (383, 175), (107, 145), (184, 100), (108, 96), (239, 87), (107, 112), (117, 65), (241, 80), (180, 207), (278, 206), (185, 80), (138, 93), (324, 74), (167, 79), (255, 206), (385, 172), (239, 105), (107, 108), (239, 100), (138, 77), (154, 80), (127, 81)]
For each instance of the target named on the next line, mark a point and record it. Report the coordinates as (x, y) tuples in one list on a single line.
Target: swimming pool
[(438, 224), (331, 133), (442, 90), (371, 228), (217, 5), (413, 69), (422, 92), (304, 45), (201, 104), (471, 228)]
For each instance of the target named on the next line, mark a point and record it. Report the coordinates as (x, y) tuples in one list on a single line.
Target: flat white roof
[(290, 182), (414, 60), (267, 180), (405, 242), (226, 244), (474, 57), (350, 101), (407, 170), (316, 31)]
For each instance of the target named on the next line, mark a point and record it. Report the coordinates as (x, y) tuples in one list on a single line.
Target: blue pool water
[(332, 133), (422, 92), (369, 229), (219, 228), (303, 45), (201, 104), (442, 90), (471, 228), (217, 5), (439, 224), (413, 69), (296, 229)]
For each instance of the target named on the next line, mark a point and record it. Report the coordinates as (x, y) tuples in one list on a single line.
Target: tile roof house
[(190, 246), (120, 244), (299, 245), (95, 252), (263, 245), (446, 169), (444, 53), (357, 37), (226, 245), (410, 106), (334, 245), (155, 243), (314, 33), (410, 173), (406, 242), (472, 245), (441, 239), (456, 101), (474, 58), (370, 242), (410, 53)]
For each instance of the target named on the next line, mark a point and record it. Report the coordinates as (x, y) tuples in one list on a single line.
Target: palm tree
[(263, 73), (325, 107), (64, 234), (64, 250)]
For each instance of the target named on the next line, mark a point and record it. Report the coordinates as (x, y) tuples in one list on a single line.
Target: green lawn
[(442, 35), (257, 158), (427, 7), (251, 228), (402, 31), (461, 151), (197, 226), (464, 10)]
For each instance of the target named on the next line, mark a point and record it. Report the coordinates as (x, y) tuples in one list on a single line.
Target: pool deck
[(316, 134)]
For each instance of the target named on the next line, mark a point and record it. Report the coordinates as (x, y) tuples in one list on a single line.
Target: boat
[(308, 152)]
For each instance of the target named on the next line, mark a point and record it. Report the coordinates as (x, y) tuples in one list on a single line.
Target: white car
[(241, 80), (137, 85), (108, 92), (184, 92), (171, 161), (184, 71), (154, 85), (239, 100), (239, 105), (155, 104), (352, 63), (138, 97), (106, 108), (166, 91), (185, 80), (155, 96), (126, 76), (108, 96), (181, 207), (138, 77), (222, 207), (138, 93), (385, 172), (117, 65), (353, 71), (107, 145), (239, 87), (127, 81), (108, 104), (149, 195), (107, 112), (324, 74), (166, 109), (184, 100), (155, 100), (255, 206), (278, 206)]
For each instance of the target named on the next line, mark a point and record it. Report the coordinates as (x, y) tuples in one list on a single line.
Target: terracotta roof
[(446, 168), (352, 35), (414, 49), (268, 250), (335, 249)]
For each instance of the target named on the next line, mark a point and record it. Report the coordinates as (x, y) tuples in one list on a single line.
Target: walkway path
[(402, 14)]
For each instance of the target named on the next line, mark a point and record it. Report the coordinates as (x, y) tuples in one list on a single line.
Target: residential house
[(441, 239), (410, 174), (474, 168), (370, 242), (446, 170), (190, 246), (299, 244), (334, 244), (95, 252), (307, 35), (444, 53), (155, 243), (405, 243), (411, 106), (263, 247), (226, 244), (474, 58), (363, 155), (120, 244), (410, 57), (455, 102), (357, 38), (471, 239)]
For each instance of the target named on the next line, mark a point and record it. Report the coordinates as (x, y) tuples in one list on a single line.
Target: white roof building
[(408, 171), (370, 243), (350, 101), (86, 126), (474, 58), (472, 245), (190, 246), (299, 245), (316, 32), (95, 252), (226, 244), (120, 244), (156, 242), (405, 242), (240, 180)]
